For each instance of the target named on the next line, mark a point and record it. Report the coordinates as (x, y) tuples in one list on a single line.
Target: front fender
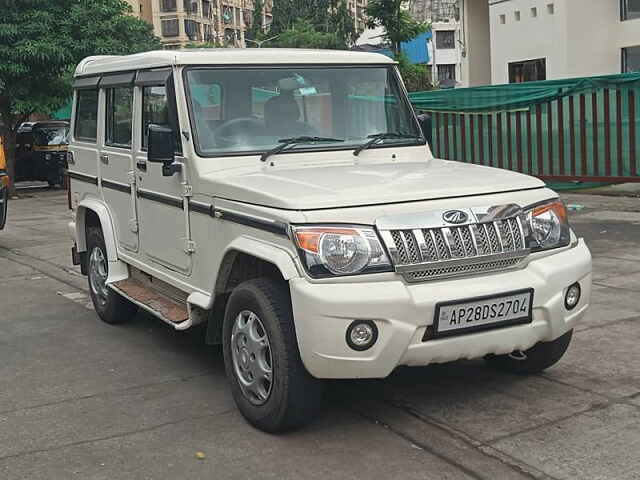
[(268, 252)]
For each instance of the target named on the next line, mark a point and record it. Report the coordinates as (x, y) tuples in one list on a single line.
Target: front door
[(164, 229), (115, 163)]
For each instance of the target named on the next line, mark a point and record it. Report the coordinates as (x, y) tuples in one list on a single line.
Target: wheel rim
[(98, 276), (252, 361)]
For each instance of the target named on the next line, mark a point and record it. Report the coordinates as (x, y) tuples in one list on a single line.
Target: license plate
[(464, 316)]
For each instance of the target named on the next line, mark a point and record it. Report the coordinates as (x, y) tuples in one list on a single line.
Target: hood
[(314, 187)]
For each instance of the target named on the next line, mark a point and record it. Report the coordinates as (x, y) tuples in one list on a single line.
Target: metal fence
[(591, 136)]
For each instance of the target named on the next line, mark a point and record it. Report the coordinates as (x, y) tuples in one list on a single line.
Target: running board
[(154, 302)]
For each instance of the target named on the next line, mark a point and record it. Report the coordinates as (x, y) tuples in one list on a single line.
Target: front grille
[(435, 252), (467, 269)]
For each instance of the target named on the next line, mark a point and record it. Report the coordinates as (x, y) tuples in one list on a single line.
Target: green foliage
[(303, 35), (329, 17), (397, 22), (256, 21), (41, 41), (416, 77), (206, 45)]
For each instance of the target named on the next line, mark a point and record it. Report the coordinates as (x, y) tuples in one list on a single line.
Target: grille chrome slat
[(441, 251)]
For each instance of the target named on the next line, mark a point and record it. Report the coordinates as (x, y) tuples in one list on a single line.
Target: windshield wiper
[(375, 138), (288, 142)]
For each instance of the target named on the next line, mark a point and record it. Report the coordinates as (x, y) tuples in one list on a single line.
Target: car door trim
[(120, 187), (82, 177)]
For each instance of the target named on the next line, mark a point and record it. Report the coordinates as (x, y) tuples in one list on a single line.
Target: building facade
[(552, 39), (179, 22)]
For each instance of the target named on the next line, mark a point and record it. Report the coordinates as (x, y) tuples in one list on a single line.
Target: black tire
[(111, 307), (4, 196), (295, 396), (538, 358)]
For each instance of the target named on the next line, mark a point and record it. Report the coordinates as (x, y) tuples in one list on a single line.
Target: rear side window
[(86, 126), (119, 117)]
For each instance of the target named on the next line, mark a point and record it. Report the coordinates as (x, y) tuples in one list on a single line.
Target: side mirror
[(161, 148), (425, 125)]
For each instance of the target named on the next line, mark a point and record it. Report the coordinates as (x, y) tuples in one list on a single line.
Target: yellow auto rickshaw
[(46, 157), (4, 186)]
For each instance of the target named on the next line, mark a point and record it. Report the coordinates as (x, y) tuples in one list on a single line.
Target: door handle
[(141, 165), (104, 158)]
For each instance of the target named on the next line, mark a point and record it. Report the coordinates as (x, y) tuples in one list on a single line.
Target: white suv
[(288, 199)]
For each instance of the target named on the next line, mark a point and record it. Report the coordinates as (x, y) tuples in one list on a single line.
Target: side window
[(86, 125), (156, 110), (119, 117)]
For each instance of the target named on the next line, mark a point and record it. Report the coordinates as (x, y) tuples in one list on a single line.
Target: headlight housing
[(548, 226), (338, 251)]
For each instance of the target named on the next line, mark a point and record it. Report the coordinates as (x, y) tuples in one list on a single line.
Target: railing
[(589, 136)]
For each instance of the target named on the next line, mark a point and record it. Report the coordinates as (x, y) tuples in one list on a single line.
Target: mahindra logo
[(455, 216)]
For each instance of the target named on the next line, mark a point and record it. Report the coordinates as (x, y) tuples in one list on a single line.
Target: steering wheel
[(237, 131)]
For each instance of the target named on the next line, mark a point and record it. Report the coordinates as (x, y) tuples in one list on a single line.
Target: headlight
[(328, 251), (549, 226)]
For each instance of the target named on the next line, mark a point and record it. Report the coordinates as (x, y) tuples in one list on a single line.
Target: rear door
[(115, 164)]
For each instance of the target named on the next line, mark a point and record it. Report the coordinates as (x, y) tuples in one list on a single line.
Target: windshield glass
[(51, 135), (250, 110)]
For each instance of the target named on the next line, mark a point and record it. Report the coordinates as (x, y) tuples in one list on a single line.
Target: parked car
[(288, 200), (41, 151), (4, 187)]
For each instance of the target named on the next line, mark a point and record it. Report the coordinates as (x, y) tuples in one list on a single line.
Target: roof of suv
[(226, 56)]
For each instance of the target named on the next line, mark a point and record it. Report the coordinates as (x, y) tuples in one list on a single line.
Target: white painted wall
[(581, 38)]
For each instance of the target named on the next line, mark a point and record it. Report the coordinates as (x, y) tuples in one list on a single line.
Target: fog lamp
[(572, 296), (362, 334)]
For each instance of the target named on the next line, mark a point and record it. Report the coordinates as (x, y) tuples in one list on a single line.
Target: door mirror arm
[(170, 169)]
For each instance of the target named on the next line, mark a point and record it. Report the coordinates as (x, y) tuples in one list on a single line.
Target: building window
[(168, 6), (516, 15), (445, 39), (551, 9), (447, 75), (631, 59), (190, 6), (528, 71), (170, 28), (534, 12), (192, 29), (503, 19), (630, 9)]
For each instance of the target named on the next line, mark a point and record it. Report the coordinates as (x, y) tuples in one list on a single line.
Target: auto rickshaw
[(42, 152), (4, 187)]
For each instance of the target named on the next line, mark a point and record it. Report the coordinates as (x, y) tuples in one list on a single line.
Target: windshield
[(251, 110), (51, 135)]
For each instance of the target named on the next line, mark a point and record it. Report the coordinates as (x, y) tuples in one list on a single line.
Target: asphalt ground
[(81, 399)]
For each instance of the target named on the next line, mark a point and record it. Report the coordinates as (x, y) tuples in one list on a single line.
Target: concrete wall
[(476, 44), (581, 37)]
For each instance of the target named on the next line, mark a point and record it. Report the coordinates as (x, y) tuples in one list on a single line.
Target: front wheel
[(538, 358), (269, 383)]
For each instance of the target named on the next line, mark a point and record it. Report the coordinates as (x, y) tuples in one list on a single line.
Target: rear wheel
[(534, 360), (269, 383), (111, 307)]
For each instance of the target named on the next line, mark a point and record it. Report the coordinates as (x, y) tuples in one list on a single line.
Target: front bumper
[(402, 312)]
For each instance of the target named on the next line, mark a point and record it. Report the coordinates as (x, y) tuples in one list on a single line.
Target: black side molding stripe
[(82, 177), (121, 187), (199, 207), (160, 198), (278, 228)]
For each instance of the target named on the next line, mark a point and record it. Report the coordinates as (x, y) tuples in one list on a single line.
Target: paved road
[(80, 399)]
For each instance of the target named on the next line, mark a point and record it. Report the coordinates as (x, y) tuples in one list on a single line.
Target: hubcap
[(251, 353), (98, 276)]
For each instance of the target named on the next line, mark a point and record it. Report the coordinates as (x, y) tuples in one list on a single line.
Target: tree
[(416, 77), (398, 24), (41, 41), (324, 16), (255, 31), (303, 35)]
